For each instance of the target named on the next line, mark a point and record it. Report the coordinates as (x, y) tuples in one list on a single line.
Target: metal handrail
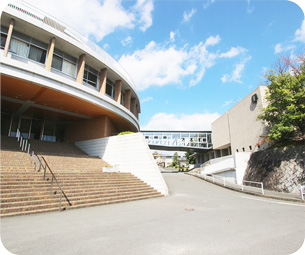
[(25, 145), (227, 180), (302, 191), (54, 178)]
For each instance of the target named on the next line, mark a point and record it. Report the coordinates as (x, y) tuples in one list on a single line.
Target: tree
[(176, 159), (285, 113), (190, 158)]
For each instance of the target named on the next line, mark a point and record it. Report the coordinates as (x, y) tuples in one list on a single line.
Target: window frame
[(31, 42)]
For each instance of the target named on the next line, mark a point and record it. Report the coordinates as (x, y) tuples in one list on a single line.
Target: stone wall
[(280, 169)]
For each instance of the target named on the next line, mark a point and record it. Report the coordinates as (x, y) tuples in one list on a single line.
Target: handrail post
[(44, 171), (60, 201), (262, 188), (29, 148), (26, 144), (39, 164), (242, 186), (35, 164), (52, 185), (32, 157), (22, 145), (20, 141)]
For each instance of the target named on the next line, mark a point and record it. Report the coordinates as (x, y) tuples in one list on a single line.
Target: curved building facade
[(56, 85)]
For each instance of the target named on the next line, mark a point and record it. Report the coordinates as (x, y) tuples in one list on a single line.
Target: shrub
[(125, 133)]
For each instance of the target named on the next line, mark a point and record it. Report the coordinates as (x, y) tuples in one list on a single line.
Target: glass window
[(175, 136), (3, 40), (28, 47), (57, 62), (68, 68), (123, 98), (110, 88), (37, 54), (90, 76), (20, 48), (64, 62)]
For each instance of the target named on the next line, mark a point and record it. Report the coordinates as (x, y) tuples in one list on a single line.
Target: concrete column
[(133, 106), (118, 91), (103, 79), (8, 38), (50, 54), (127, 98), (81, 69), (137, 111)]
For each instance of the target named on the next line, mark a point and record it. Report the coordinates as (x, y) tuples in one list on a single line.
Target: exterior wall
[(24, 19), (90, 129), (239, 126), (221, 132), (129, 153), (232, 167)]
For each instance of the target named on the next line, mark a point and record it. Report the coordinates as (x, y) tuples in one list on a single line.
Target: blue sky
[(191, 60)]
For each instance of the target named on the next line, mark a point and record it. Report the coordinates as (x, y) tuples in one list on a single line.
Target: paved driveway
[(197, 218)]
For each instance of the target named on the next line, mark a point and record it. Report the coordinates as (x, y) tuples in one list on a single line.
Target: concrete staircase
[(23, 190)]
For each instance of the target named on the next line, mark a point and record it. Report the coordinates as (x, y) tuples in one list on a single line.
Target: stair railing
[(25, 146)]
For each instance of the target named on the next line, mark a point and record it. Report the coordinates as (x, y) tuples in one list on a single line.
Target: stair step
[(23, 190)]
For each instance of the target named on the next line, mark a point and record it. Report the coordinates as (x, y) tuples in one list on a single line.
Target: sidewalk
[(267, 193)]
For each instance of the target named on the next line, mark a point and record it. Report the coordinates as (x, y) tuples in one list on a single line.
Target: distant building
[(165, 160)]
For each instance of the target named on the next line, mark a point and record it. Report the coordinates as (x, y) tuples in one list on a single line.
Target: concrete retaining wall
[(130, 153)]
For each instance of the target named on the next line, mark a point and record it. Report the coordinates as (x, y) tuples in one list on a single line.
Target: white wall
[(131, 154), (229, 166), (241, 162)]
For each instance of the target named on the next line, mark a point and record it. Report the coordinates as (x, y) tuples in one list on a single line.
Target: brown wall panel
[(90, 129)]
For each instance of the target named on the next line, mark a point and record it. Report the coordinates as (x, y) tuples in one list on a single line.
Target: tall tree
[(176, 159), (285, 113), (190, 158)]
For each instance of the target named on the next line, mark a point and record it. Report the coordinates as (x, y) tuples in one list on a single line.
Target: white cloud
[(280, 48), (106, 46), (250, 8), (212, 40), (98, 18), (226, 103), (146, 99), (237, 72), (300, 33), (162, 65), (126, 41), (188, 15), (155, 65), (172, 36), (207, 3), (233, 52), (181, 122), (144, 9)]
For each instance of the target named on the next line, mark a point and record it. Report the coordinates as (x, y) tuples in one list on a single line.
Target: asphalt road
[(197, 218)]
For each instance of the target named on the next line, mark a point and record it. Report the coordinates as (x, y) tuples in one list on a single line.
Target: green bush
[(125, 133)]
